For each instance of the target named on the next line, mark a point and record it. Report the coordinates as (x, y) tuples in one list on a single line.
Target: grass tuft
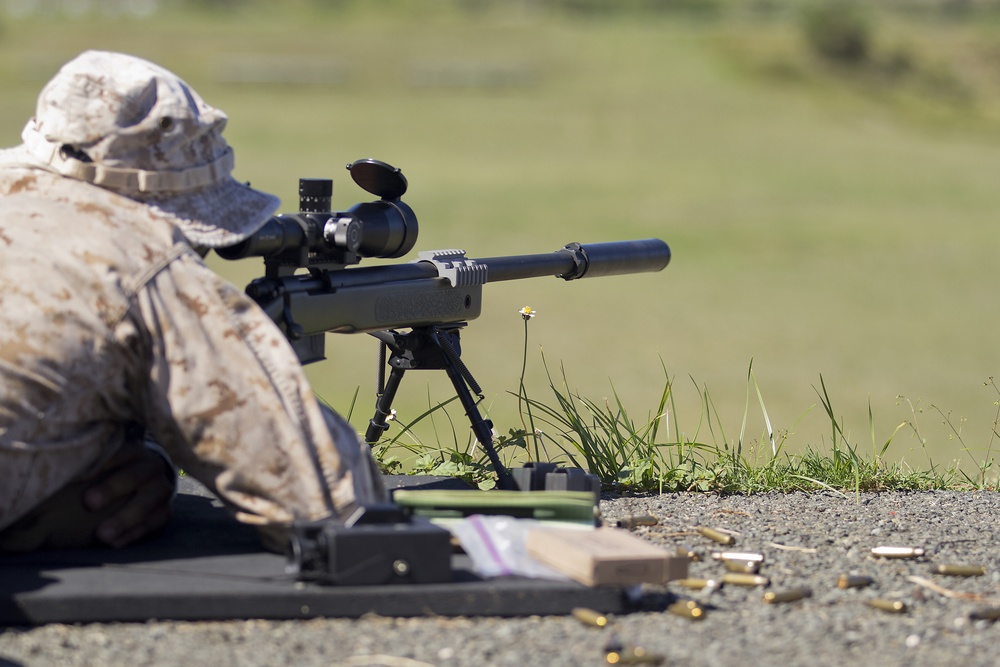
[(652, 454)]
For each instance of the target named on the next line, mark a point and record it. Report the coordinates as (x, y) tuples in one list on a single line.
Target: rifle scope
[(385, 228)]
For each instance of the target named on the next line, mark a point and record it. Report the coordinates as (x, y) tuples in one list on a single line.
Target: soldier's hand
[(140, 479)]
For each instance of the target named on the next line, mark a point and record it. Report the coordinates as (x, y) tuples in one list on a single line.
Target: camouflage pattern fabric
[(130, 126), (108, 318)]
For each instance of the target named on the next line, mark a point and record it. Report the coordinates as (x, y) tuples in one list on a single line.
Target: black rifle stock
[(432, 297)]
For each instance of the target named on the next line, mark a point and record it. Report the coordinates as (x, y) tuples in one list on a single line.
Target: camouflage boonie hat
[(132, 127)]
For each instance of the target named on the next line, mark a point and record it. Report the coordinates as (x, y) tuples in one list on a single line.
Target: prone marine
[(122, 356)]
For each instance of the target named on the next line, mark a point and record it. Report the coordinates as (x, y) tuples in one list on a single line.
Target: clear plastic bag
[(496, 545)]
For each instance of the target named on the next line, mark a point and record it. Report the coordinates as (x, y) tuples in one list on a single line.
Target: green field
[(823, 222)]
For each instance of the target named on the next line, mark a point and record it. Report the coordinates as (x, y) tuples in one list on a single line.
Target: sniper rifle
[(433, 297)]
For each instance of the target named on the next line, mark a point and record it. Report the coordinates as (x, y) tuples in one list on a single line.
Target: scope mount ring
[(378, 178)]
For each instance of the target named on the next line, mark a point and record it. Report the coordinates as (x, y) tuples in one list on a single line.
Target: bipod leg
[(482, 428), (379, 424)]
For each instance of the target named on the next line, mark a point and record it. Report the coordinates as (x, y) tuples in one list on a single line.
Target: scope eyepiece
[(388, 228)]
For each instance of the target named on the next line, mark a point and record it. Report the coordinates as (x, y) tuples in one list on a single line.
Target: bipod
[(432, 347)]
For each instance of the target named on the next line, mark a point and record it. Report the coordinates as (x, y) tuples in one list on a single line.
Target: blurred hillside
[(824, 172)]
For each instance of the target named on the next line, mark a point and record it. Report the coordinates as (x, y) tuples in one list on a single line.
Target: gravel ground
[(807, 539)]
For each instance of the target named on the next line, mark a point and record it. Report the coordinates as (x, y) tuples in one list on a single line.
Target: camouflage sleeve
[(228, 400)]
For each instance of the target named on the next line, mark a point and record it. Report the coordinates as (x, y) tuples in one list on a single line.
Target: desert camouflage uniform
[(108, 319)]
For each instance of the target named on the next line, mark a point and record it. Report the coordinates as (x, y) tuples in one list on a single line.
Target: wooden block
[(604, 556), (676, 568)]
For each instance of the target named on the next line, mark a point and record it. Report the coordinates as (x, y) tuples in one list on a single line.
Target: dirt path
[(808, 540)]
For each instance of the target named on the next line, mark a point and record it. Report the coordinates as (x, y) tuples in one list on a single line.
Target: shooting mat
[(207, 566)]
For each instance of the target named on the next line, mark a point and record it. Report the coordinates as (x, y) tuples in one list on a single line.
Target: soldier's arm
[(227, 398)]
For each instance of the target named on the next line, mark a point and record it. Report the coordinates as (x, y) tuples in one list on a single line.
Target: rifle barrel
[(574, 261)]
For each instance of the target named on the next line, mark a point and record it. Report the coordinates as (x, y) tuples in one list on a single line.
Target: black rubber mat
[(207, 566)]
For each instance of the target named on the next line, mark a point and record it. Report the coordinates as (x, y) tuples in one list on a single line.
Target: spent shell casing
[(698, 584), (614, 644), (744, 566), (717, 536), (897, 552), (633, 655), (590, 617), (741, 579), (688, 609), (985, 614), (684, 551), (790, 595), (737, 555), (891, 606), (953, 570), (639, 520), (854, 581)]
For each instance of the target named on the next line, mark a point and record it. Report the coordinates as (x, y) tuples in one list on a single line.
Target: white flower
[(527, 313)]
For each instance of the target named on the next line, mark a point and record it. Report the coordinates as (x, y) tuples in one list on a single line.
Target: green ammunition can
[(790, 595), (891, 606), (717, 536), (953, 570), (854, 581)]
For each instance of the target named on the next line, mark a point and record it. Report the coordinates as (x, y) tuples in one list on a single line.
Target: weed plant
[(653, 454)]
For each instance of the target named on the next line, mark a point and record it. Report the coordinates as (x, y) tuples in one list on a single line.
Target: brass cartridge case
[(633, 655), (717, 536), (744, 566), (985, 614), (953, 570), (891, 606), (790, 595), (741, 579), (897, 552), (699, 584), (639, 520), (854, 581), (738, 555), (684, 551), (687, 609), (590, 617)]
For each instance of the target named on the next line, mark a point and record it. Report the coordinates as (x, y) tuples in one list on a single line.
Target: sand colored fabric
[(130, 126), (109, 318)]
